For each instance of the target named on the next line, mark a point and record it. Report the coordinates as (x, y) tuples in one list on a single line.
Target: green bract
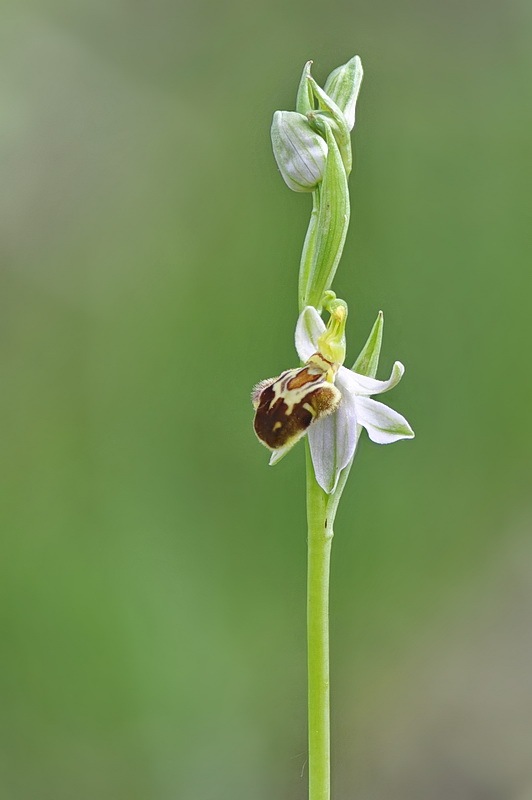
[(343, 86), (305, 101), (327, 230), (329, 111)]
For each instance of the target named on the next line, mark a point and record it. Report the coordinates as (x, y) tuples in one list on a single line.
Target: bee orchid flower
[(325, 400)]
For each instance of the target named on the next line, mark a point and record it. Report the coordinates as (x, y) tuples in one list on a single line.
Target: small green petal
[(305, 98), (368, 360)]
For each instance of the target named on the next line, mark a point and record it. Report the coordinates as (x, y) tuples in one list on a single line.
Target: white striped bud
[(300, 152)]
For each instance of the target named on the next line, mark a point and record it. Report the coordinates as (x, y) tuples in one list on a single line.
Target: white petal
[(361, 384), (333, 440), (309, 328), (383, 424)]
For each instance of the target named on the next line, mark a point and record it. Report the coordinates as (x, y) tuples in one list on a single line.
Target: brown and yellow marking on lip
[(318, 360), (287, 405), (310, 408), (303, 377)]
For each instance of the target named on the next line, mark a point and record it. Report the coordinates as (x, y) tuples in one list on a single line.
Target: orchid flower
[(333, 426)]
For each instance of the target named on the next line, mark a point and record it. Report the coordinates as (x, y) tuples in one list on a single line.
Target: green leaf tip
[(368, 360)]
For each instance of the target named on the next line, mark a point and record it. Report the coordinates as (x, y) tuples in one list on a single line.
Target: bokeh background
[(153, 567)]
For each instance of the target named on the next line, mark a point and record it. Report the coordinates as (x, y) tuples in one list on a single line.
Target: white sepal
[(309, 328), (363, 385), (383, 424)]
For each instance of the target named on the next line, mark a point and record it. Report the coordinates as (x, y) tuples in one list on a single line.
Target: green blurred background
[(153, 570)]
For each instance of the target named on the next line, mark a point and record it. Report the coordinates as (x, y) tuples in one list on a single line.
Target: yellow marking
[(309, 409), (339, 313), (277, 426)]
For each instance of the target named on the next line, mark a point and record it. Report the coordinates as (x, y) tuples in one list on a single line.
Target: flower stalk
[(318, 570)]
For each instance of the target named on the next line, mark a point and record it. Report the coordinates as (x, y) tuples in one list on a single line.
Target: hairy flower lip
[(333, 439)]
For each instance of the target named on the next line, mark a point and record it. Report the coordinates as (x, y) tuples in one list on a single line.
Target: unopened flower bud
[(343, 85), (300, 152)]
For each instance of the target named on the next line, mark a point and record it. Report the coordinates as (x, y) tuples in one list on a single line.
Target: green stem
[(319, 553), (307, 256)]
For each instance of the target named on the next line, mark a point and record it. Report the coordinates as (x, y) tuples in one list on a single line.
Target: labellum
[(287, 405)]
